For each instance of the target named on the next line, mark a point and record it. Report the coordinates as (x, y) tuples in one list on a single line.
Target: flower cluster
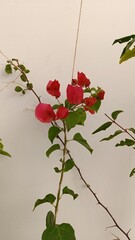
[(75, 99)]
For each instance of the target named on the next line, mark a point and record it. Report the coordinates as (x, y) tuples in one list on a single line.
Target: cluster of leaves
[(14, 65), (129, 50), (2, 151), (129, 142)]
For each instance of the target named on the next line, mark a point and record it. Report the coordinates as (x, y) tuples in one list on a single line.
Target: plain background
[(41, 34)]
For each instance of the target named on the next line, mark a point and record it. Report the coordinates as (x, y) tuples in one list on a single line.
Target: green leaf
[(69, 164), (132, 172), (22, 67), (129, 44), (81, 114), (111, 136), (63, 231), (18, 89), (69, 191), (78, 138), (77, 117), (52, 149), (56, 106), (71, 120), (103, 127), (57, 170), (115, 114), (29, 86), (8, 69), (49, 198), (126, 142), (1, 145), (23, 78), (53, 133), (27, 71), (2, 152), (132, 130), (96, 106), (124, 39), (127, 55), (23, 91), (68, 105), (50, 219)]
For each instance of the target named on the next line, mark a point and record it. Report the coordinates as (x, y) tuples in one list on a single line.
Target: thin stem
[(124, 129), (62, 173), (77, 36), (102, 205), (22, 72)]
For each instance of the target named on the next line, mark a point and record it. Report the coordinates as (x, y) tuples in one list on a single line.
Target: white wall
[(42, 35)]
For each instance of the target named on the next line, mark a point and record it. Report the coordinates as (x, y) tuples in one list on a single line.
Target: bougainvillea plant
[(63, 116), (81, 100)]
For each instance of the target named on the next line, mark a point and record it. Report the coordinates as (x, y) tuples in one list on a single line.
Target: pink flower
[(44, 113), (83, 80), (53, 88), (62, 113), (74, 94), (101, 94)]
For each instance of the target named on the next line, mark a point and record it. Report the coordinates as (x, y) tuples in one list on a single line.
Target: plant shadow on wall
[(81, 98)]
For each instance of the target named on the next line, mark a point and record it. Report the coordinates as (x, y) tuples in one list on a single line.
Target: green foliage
[(132, 172), (23, 77), (29, 86), (52, 149), (130, 53), (8, 69), (126, 142), (132, 130), (50, 219), (63, 231), (69, 191), (112, 136), (124, 39), (57, 170), (22, 67), (96, 106), (69, 105), (27, 71), (56, 106), (49, 198), (18, 89), (78, 138), (103, 127), (53, 133), (69, 164), (127, 53), (115, 114), (2, 151), (77, 117)]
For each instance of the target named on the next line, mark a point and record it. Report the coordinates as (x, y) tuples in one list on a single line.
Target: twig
[(124, 129)]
